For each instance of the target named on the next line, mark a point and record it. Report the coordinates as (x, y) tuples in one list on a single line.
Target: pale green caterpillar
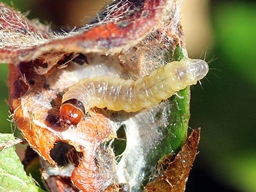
[(118, 94)]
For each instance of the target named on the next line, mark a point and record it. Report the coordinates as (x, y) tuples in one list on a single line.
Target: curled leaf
[(174, 169), (128, 40)]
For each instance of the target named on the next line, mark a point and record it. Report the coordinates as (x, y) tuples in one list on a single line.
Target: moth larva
[(118, 94)]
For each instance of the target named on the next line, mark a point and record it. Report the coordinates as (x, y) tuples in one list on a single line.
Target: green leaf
[(12, 175), (178, 116), (18, 4), (4, 112), (175, 132)]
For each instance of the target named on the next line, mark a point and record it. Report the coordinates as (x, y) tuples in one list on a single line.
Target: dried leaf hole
[(119, 144), (63, 154)]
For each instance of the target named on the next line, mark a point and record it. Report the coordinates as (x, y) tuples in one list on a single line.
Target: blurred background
[(222, 32)]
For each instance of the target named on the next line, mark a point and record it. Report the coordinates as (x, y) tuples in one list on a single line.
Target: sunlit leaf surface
[(12, 175)]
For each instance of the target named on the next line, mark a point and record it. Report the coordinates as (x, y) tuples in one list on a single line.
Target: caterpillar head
[(71, 112)]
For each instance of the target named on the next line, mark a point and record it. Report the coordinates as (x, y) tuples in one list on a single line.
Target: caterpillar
[(128, 95)]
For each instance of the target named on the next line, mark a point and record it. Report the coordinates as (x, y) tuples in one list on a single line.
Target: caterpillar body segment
[(118, 94)]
